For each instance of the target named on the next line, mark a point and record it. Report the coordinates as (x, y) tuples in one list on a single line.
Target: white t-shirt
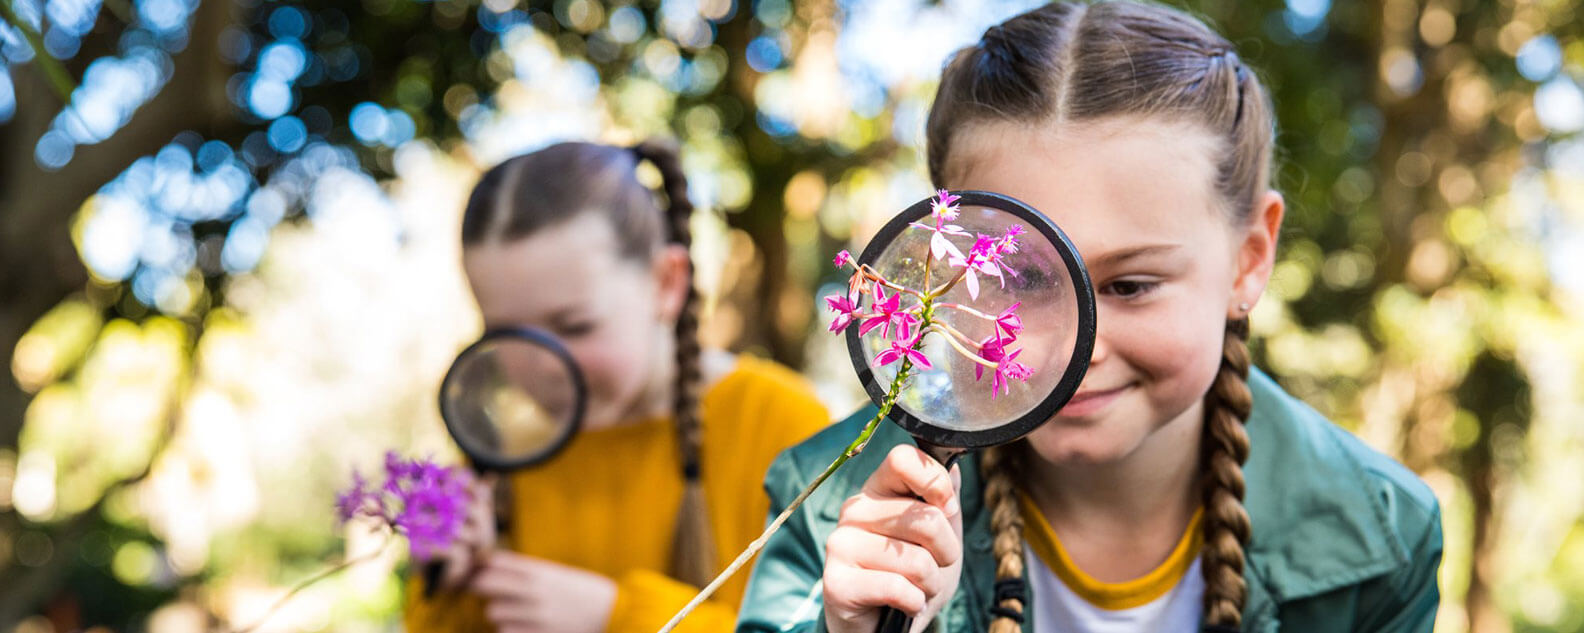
[(1064, 599)]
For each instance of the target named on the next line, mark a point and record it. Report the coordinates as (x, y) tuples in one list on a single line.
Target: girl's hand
[(460, 560), (528, 595), (898, 543)]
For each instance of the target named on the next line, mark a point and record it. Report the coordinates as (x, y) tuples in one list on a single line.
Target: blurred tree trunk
[(1420, 143), (39, 265)]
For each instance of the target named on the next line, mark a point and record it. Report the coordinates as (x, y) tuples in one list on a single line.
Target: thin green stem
[(54, 73), (316, 578), (870, 274), (964, 351), (852, 450), (946, 287), (958, 306)]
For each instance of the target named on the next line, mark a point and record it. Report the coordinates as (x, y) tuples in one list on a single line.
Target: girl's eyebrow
[(1133, 252)]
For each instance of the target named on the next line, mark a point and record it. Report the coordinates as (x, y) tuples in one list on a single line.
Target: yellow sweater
[(608, 503)]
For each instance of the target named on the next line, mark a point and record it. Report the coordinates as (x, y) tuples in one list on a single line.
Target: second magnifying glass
[(511, 400)]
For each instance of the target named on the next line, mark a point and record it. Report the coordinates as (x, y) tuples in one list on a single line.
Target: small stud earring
[(1243, 307)]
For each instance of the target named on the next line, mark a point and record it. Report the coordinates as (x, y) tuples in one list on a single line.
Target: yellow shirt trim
[(1111, 596)]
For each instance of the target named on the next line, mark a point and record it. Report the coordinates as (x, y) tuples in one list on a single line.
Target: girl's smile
[(1089, 402)]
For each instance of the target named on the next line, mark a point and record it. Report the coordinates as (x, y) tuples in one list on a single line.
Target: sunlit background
[(229, 265)]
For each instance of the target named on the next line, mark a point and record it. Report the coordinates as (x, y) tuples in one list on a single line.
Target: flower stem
[(871, 275), (958, 306), (946, 287), (953, 336), (852, 450), (313, 579)]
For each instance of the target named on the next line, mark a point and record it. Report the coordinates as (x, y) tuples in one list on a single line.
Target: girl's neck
[(657, 399), (1156, 484)]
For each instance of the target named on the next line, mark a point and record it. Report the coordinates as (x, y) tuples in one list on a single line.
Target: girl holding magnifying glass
[(661, 485), (1179, 490)]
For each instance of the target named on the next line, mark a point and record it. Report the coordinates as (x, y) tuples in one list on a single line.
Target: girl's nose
[(1102, 345)]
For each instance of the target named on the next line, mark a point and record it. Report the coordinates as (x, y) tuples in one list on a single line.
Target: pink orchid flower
[(945, 202), (976, 261), (900, 349), (993, 349), (846, 308), (844, 258), (942, 210), (888, 313), (1008, 324)]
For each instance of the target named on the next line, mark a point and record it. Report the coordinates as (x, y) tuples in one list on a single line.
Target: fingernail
[(953, 506)]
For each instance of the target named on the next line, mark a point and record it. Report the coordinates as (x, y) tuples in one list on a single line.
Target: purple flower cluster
[(421, 499), (903, 326)]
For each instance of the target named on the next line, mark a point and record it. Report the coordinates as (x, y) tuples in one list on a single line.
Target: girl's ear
[(673, 278), (1256, 254)]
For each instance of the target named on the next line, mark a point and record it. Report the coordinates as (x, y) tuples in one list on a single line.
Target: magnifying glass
[(973, 395), (511, 400)]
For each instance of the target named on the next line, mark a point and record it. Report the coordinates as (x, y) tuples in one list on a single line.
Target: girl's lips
[(1089, 402)]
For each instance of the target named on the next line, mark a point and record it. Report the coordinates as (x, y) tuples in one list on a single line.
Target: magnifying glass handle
[(893, 621)]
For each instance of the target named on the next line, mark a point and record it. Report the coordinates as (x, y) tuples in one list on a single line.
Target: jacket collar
[(1317, 525)]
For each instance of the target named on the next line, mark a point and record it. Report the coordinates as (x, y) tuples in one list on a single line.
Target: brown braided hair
[(1070, 62), (529, 192), (693, 556), (1225, 448), (999, 465)]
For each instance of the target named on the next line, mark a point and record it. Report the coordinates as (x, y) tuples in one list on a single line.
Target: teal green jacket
[(1344, 538)]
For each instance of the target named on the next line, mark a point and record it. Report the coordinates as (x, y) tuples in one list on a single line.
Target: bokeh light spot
[(287, 134)]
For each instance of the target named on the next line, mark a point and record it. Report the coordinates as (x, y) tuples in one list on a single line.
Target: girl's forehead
[(1112, 184), (563, 267)]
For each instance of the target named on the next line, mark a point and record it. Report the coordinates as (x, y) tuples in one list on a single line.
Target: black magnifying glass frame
[(1083, 291), (484, 459)]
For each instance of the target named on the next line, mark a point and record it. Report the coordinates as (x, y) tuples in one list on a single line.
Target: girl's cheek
[(1168, 340), (610, 361)]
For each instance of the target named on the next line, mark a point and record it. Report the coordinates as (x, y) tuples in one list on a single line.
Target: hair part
[(527, 193), (1076, 62), (1072, 63)]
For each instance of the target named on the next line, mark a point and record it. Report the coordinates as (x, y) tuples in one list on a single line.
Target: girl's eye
[(576, 329), (1131, 288)]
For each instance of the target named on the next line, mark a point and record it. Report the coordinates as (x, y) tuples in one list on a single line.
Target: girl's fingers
[(503, 576), (910, 472), (480, 521), (854, 593), (454, 565), (905, 519), (477, 535), (870, 551)]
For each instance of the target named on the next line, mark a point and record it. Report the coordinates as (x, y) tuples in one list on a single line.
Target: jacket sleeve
[(1405, 601), (784, 592)]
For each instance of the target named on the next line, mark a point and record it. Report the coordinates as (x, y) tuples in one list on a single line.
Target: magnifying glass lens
[(1008, 339), (511, 399)]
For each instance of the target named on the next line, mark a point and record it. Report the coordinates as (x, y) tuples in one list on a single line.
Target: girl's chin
[(1079, 441)]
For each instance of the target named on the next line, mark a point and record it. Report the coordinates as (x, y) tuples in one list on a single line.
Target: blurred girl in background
[(661, 488)]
